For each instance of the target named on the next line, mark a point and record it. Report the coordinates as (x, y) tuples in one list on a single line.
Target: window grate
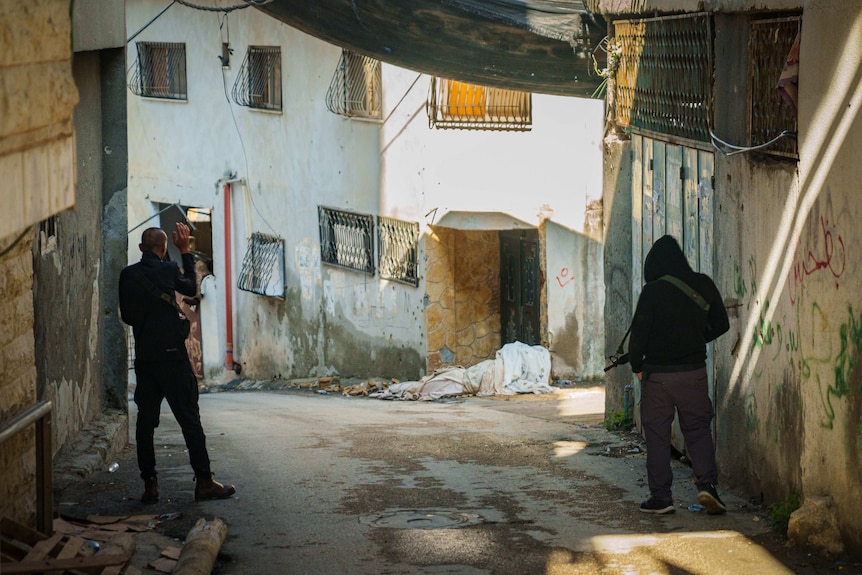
[(663, 82), (356, 87), (346, 239), (263, 266), (398, 245), (160, 71), (462, 106), (258, 84), (769, 43)]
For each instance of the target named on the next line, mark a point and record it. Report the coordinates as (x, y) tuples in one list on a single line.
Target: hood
[(665, 258)]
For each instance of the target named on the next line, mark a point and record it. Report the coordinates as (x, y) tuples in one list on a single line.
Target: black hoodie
[(670, 330)]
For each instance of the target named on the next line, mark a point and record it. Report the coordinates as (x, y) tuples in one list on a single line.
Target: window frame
[(167, 60), (453, 104)]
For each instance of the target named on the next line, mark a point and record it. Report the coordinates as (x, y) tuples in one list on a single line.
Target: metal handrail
[(40, 414)]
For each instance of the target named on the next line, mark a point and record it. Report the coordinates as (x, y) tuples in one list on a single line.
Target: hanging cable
[(741, 149), (156, 17), (222, 9)]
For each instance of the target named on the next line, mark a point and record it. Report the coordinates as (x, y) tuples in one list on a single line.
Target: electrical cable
[(224, 9), (156, 17), (402, 98), (742, 149), (244, 155)]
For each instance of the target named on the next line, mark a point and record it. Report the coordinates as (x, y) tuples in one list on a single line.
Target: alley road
[(332, 485)]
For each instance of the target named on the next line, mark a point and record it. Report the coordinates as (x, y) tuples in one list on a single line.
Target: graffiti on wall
[(850, 340), (826, 254), (565, 277)]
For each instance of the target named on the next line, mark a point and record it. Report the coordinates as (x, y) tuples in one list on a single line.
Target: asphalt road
[(332, 485)]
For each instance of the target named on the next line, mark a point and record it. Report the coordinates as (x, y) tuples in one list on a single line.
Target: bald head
[(154, 240)]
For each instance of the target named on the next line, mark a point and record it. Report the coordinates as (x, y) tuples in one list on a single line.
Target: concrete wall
[(76, 275), (788, 387)]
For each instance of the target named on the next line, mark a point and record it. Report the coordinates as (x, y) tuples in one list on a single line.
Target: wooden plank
[(71, 548), (19, 532), (45, 565), (43, 548)]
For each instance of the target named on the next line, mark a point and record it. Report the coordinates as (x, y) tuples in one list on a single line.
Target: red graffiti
[(562, 279), (824, 258)]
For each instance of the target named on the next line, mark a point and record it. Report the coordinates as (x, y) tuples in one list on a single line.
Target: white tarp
[(518, 368)]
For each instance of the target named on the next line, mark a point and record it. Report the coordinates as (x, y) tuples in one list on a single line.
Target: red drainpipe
[(228, 292)]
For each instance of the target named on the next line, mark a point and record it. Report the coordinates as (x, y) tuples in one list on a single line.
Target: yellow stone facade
[(462, 286)]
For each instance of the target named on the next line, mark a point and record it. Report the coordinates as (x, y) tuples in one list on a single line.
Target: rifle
[(619, 357)]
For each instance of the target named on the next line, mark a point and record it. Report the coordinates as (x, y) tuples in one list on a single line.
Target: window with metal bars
[(664, 76), (160, 71), (263, 266), (356, 87), (48, 235), (769, 43), (346, 239), (459, 105), (258, 84), (398, 247)]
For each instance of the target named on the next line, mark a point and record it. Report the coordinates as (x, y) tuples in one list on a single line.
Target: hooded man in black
[(679, 311)]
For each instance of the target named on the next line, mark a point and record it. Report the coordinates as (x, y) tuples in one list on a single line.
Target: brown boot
[(151, 490), (208, 488)]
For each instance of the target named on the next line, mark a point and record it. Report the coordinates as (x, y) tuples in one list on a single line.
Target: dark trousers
[(174, 381), (688, 392)]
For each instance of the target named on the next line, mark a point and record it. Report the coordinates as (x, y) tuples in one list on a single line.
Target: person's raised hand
[(181, 237)]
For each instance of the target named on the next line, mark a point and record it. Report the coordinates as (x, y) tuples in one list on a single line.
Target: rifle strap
[(156, 292), (684, 287)]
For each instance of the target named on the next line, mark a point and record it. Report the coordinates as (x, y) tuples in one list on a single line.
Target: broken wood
[(118, 551), (201, 548)]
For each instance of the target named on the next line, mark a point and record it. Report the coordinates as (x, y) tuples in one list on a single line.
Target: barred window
[(258, 84), (160, 71), (346, 239), (356, 87), (664, 78), (48, 235), (770, 42), (459, 105), (263, 266), (398, 245)]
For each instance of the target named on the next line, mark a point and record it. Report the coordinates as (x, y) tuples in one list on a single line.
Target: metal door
[(672, 193), (519, 286)]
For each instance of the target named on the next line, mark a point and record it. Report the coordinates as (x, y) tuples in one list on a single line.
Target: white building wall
[(291, 162)]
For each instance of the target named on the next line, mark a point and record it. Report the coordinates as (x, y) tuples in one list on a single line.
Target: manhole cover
[(426, 520)]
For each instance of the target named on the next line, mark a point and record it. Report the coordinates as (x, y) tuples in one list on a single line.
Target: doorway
[(519, 286)]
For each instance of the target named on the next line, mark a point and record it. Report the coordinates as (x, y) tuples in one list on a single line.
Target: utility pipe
[(228, 291)]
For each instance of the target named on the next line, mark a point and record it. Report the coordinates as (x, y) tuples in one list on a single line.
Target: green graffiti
[(850, 336), (763, 331), (738, 282), (752, 270), (792, 341), (750, 414)]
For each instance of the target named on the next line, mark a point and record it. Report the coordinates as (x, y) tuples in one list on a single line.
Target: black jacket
[(154, 322), (670, 331)]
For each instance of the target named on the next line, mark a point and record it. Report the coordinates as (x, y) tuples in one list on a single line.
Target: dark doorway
[(519, 286)]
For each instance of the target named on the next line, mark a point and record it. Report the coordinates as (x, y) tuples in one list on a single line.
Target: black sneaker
[(708, 497), (658, 506)]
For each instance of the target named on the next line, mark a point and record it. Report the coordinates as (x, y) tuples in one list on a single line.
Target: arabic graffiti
[(564, 278), (850, 336), (827, 254)]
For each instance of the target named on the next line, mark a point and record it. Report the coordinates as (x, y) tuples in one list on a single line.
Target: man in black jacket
[(161, 361), (679, 311)]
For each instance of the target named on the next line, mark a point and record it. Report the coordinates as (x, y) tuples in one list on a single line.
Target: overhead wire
[(239, 134), (742, 149)]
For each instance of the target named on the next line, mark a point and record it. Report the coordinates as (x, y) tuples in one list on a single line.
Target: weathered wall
[(18, 385), (617, 216), (462, 285), (292, 162), (67, 275)]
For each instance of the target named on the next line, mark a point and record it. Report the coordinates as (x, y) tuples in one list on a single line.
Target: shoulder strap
[(156, 292), (684, 287)]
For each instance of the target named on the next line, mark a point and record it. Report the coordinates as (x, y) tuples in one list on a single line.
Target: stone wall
[(462, 286), (18, 384)]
